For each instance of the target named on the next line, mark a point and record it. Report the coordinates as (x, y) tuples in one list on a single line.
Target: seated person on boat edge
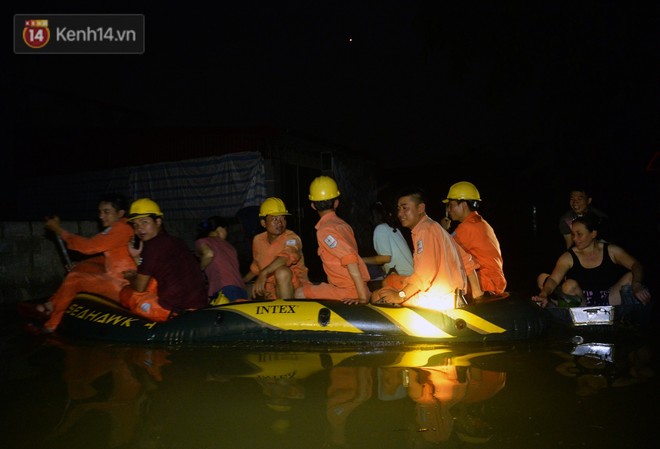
[(218, 259), (589, 273), (438, 271), (477, 237), (168, 280), (346, 272), (99, 274), (278, 264)]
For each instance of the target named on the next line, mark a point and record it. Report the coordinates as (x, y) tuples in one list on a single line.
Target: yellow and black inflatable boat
[(93, 317)]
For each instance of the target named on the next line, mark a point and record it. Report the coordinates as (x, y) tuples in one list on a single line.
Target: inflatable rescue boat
[(92, 317)]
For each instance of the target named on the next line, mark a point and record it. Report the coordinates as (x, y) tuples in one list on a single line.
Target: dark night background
[(525, 99)]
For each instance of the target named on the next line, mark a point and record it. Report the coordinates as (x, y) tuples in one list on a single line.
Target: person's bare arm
[(475, 286), (259, 287), (138, 282), (248, 277), (360, 285), (564, 263), (378, 259), (205, 255), (623, 258), (391, 296)]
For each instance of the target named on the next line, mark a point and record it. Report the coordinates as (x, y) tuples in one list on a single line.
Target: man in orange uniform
[(438, 269), (278, 263), (346, 271), (476, 237), (106, 280)]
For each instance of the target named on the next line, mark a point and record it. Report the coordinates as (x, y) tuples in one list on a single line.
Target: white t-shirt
[(389, 242)]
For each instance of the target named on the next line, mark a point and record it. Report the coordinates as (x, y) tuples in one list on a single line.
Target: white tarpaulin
[(197, 188)]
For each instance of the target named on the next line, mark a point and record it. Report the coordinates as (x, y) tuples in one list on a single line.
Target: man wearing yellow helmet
[(476, 237), (168, 279), (278, 265), (346, 272)]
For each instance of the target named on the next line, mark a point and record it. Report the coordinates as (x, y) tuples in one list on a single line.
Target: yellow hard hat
[(463, 191), (273, 206), (144, 207), (323, 188)]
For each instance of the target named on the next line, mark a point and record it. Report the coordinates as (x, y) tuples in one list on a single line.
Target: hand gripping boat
[(93, 317)]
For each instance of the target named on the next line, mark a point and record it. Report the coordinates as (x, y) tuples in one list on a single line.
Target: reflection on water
[(594, 367), (113, 382), (582, 394)]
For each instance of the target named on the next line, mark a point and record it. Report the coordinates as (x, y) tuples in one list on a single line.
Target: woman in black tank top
[(593, 270)]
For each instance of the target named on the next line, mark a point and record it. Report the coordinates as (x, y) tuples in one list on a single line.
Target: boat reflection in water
[(114, 383), (593, 367), (138, 397)]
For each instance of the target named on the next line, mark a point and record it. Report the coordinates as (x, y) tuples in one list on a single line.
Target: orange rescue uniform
[(287, 245), (113, 243), (438, 267), (337, 249), (478, 238)]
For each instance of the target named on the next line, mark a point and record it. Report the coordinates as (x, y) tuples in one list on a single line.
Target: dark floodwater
[(602, 392)]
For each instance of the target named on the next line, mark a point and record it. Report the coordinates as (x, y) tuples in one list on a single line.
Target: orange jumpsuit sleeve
[(337, 249), (292, 248), (112, 242), (478, 238), (110, 238), (257, 250), (287, 245), (469, 262), (342, 248), (468, 237)]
